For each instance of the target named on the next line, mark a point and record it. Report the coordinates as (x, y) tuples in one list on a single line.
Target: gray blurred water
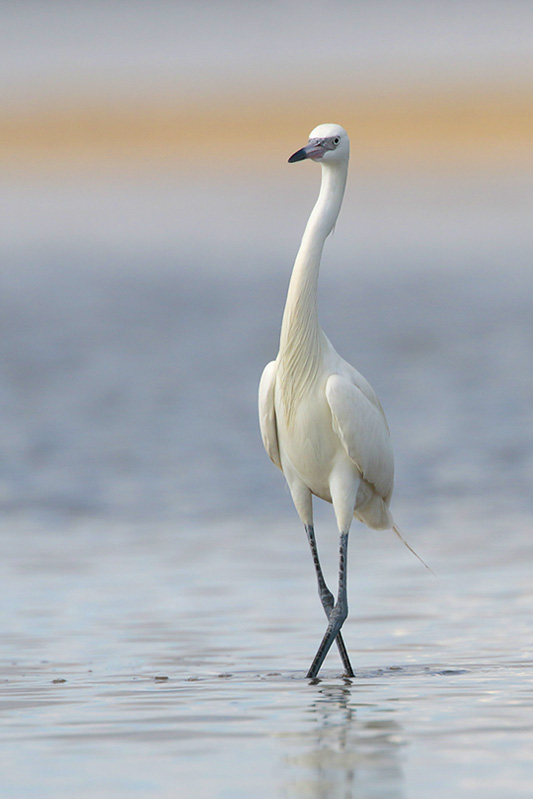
[(159, 606)]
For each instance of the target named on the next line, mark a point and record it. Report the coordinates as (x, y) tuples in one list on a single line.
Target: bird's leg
[(327, 599), (337, 615)]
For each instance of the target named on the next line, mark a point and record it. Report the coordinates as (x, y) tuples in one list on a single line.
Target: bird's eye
[(336, 140)]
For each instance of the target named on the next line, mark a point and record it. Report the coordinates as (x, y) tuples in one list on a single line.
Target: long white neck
[(300, 348)]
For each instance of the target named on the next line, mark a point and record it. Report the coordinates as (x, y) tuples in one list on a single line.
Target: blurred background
[(150, 222)]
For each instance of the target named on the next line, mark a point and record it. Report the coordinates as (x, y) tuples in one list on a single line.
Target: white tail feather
[(410, 548)]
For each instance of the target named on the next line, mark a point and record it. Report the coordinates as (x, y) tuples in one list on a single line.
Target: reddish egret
[(321, 422)]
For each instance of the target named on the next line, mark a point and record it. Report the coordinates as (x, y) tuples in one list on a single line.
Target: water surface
[(159, 605)]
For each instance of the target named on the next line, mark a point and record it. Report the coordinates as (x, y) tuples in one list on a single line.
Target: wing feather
[(360, 423), (267, 413)]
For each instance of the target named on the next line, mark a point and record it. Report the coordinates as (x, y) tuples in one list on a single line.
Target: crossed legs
[(336, 613)]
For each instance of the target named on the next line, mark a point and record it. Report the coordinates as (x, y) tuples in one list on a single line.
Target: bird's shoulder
[(344, 378)]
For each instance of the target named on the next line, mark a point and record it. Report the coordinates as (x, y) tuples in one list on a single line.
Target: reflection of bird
[(321, 421)]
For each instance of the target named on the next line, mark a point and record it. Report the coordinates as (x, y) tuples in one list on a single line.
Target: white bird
[(321, 422)]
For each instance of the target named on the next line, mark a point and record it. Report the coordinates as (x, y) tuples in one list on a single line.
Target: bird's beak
[(314, 150)]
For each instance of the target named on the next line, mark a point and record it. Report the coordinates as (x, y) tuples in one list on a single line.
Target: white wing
[(360, 423), (267, 413)]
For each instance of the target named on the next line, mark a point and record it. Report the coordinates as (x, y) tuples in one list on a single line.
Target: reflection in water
[(346, 754)]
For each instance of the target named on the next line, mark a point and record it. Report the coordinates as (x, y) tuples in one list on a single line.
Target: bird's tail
[(410, 548)]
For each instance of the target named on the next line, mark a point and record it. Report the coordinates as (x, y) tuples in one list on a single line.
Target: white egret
[(321, 422)]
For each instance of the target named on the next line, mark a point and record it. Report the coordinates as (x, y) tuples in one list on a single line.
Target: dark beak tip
[(300, 155)]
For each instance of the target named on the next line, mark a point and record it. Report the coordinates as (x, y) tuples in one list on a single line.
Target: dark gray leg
[(327, 599), (337, 615)]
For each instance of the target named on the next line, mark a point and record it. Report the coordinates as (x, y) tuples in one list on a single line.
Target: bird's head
[(327, 143)]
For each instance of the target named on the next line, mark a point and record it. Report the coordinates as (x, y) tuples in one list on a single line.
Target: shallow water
[(159, 604), (153, 663)]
